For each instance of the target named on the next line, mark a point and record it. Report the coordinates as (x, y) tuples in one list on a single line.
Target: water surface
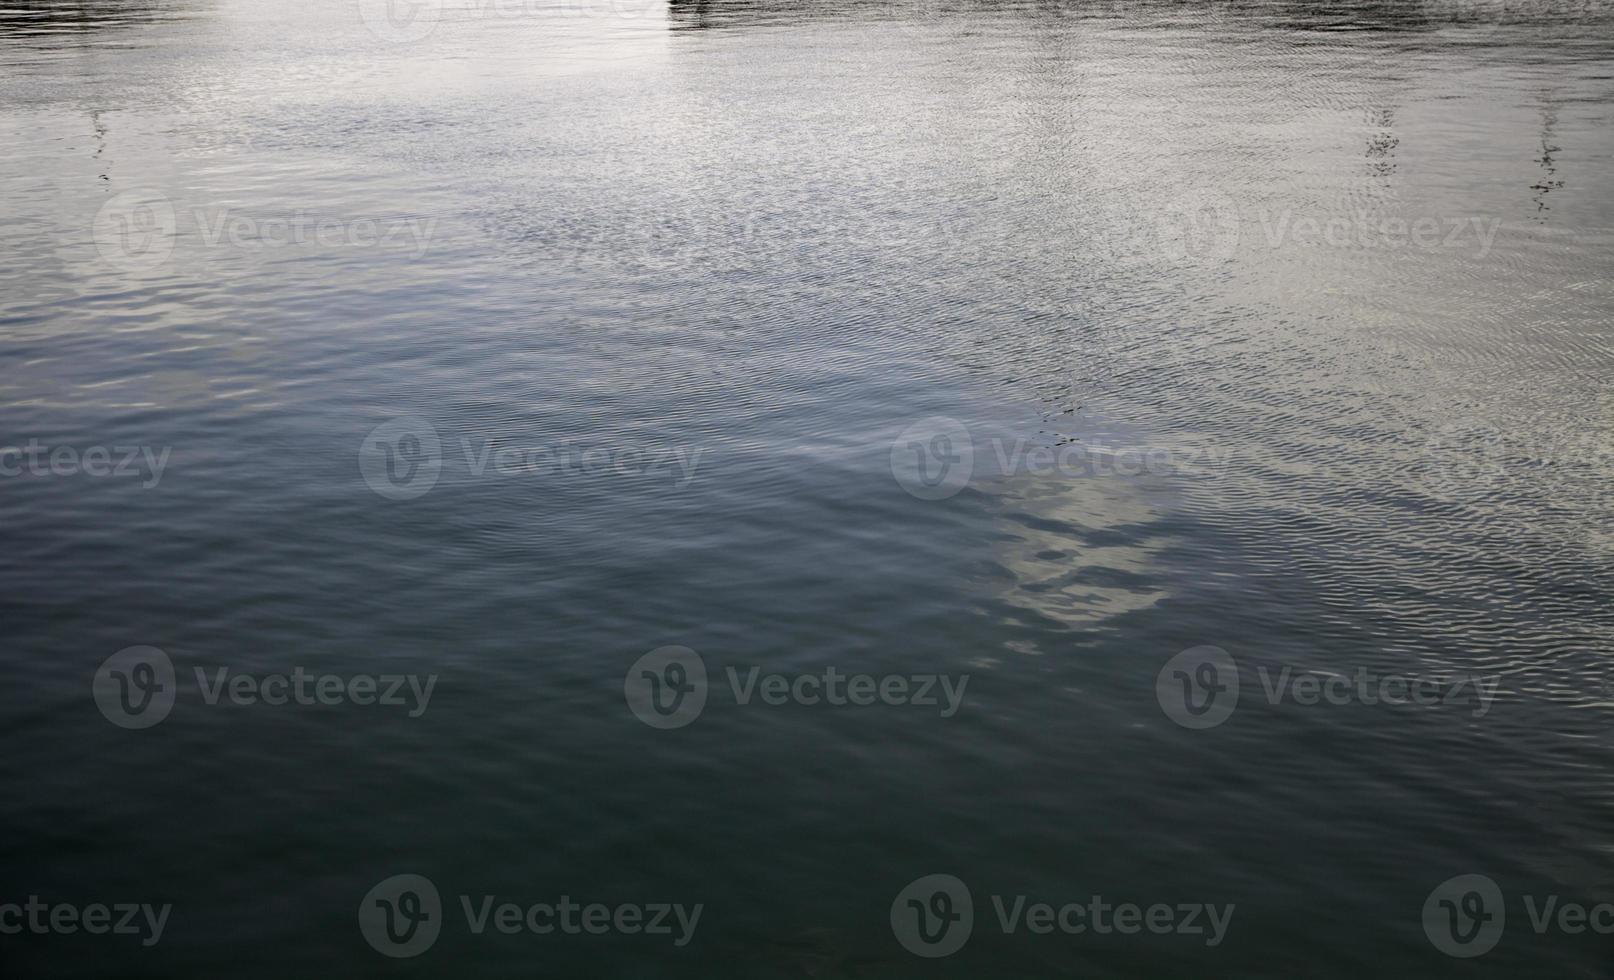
[(1339, 271)]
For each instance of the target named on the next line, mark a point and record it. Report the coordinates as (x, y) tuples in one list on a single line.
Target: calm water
[(1036, 342)]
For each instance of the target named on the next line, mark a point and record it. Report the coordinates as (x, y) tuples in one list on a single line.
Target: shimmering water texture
[(1086, 359)]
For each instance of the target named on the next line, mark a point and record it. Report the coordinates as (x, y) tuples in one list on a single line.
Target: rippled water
[(1036, 342)]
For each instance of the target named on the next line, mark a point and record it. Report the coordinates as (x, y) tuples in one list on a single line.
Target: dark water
[(1276, 327)]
